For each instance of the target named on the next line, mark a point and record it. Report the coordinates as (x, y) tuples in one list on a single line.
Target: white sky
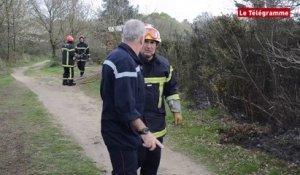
[(181, 9)]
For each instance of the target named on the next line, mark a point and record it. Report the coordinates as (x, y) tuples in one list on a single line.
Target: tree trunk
[(14, 36), (53, 52), (8, 30)]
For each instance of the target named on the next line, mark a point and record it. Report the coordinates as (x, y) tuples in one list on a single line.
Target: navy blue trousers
[(68, 73), (123, 162), (148, 160), (81, 66)]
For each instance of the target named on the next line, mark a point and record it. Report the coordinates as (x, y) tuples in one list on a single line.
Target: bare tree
[(18, 23), (77, 17), (2, 11), (8, 9), (12, 22), (50, 15)]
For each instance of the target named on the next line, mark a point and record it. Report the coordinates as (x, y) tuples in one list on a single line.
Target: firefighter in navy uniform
[(160, 84), (68, 55), (82, 53), (122, 92)]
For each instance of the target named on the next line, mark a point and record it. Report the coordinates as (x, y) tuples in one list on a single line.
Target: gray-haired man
[(122, 91)]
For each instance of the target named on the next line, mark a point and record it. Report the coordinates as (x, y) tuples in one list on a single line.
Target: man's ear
[(142, 40)]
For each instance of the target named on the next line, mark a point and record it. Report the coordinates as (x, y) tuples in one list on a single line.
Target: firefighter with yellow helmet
[(160, 85), (68, 56)]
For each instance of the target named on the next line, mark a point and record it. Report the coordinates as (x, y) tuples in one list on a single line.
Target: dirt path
[(79, 116)]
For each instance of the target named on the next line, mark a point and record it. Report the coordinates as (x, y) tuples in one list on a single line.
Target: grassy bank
[(199, 138), (30, 142)]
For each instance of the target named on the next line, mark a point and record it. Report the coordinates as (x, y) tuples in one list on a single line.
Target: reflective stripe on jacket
[(160, 83), (122, 92), (68, 53), (83, 51)]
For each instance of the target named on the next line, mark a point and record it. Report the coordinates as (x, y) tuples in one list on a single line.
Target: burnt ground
[(283, 144)]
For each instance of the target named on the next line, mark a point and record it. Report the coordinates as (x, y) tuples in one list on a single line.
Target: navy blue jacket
[(160, 84), (68, 53), (122, 92), (83, 51)]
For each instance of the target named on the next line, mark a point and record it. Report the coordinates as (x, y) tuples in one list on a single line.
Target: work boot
[(71, 83), (65, 82)]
